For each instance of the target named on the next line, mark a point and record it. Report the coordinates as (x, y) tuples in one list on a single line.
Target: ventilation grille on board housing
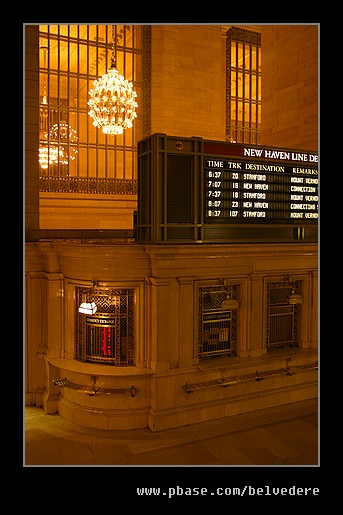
[(179, 189)]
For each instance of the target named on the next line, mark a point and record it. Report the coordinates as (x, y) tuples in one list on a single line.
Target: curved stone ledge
[(103, 418), (71, 365)]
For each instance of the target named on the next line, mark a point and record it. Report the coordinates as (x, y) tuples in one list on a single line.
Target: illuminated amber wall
[(187, 84), (188, 81), (290, 86)]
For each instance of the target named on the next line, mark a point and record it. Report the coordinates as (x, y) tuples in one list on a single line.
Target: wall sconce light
[(294, 297), (89, 308), (228, 303)]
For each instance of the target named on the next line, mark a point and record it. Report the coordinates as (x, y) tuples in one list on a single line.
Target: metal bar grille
[(88, 185), (106, 337), (282, 328), (217, 327), (281, 316), (225, 382), (216, 335)]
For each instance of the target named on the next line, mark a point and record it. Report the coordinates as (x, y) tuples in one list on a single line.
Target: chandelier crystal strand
[(112, 101)]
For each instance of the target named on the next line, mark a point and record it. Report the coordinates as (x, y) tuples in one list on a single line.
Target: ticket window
[(107, 336), (217, 326), (283, 318)]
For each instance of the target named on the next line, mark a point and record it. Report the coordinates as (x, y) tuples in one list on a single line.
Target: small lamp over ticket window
[(294, 298), (88, 308), (229, 304)]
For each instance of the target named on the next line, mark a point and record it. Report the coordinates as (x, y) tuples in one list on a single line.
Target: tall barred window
[(75, 156), (243, 86)]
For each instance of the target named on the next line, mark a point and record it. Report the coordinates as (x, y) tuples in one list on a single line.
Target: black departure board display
[(193, 190), (246, 191)]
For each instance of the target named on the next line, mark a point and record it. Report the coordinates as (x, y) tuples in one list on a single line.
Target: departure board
[(193, 190), (246, 191)]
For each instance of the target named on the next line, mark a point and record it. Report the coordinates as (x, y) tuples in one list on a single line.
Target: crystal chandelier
[(64, 135), (112, 100), (47, 156)]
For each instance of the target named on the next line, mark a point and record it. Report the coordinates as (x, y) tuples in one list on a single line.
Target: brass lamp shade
[(294, 299), (229, 304)]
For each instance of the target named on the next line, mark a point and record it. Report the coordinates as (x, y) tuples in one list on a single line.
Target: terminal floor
[(282, 435)]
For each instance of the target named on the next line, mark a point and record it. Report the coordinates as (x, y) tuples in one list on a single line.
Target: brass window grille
[(108, 336), (282, 317), (217, 326)]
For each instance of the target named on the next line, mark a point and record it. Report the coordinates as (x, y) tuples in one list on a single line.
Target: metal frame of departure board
[(192, 190)]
